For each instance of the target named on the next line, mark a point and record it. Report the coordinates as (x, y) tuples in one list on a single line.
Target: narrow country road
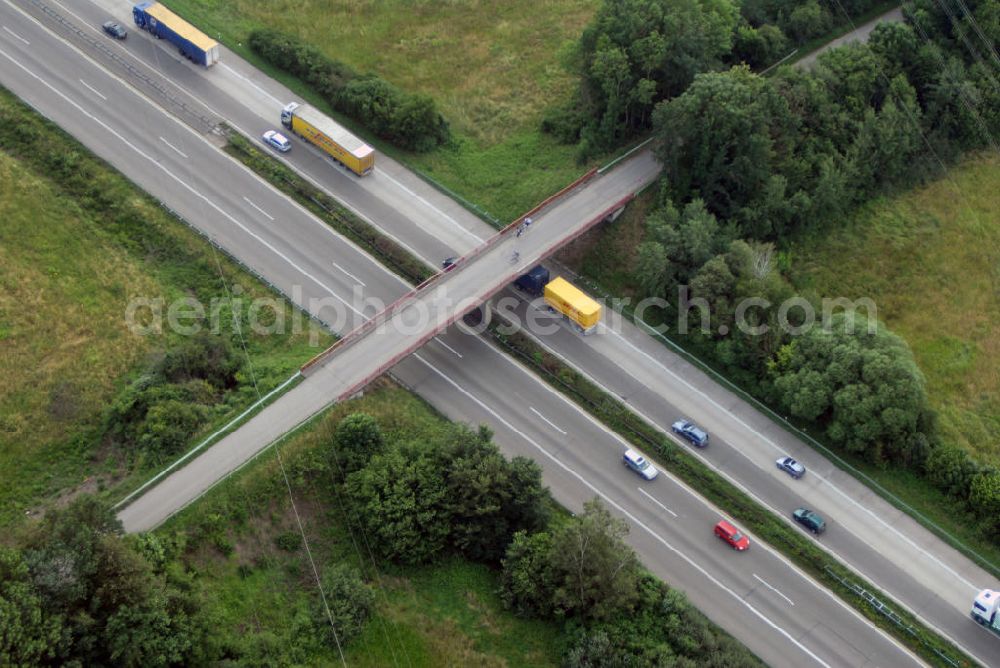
[(859, 34)]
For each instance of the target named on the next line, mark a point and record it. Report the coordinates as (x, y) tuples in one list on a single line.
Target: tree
[(653, 269), (721, 141), (116, 610), (29, 635), (350, 603), (356, 440), (489, 499), (807, 20), (595, 573), (864, 388), (527, 581), (951, 470), (637, 52), (400, 500)]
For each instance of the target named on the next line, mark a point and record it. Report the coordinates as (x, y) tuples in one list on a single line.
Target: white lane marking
[(269, 216), (93, 90), (16, 36), (777, 555), (276, 100), (184, 184), (438, 339), (179, 152), (251, 136), (651, 498), (350, 275), (779, 450), (550, 423), (774, 589), (635, 520), (452, 221)]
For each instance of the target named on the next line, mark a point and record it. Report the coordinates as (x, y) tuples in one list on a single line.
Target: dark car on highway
[(691, 432), (809, 520), (114, 30)]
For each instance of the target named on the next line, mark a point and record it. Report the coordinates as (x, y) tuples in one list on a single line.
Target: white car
[(277, 141), (638, 463)]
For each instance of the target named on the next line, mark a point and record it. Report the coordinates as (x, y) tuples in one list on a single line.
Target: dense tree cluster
[(751, 162), (77, 594), (582, 571), (416, 502), (638, 53), (408, 120)]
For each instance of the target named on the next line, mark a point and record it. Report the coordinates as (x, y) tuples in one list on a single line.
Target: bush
[(951, 470), (408, 120), (356, 440), (350, 603), (203, 356)]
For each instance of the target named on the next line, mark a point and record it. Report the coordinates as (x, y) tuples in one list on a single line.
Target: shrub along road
[(294, 240)]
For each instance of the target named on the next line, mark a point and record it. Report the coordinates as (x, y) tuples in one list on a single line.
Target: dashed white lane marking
[(93, 90), (177, 150), (438, 339), (774, 589), (269, 216), (548, 421), (651, 498), (16, 36)]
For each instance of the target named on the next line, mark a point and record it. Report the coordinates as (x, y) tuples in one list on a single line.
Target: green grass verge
[(757, 519), (448, 613), (935, 284), (493, 68), (936, 250), (327, 209), (72, 255)]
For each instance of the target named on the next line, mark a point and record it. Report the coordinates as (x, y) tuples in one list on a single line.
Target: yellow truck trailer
[(566, 298), (321, 131)]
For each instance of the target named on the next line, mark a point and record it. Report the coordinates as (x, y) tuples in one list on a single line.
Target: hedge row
[(410, 121)]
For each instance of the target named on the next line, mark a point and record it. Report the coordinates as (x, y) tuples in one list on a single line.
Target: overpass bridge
[(381, 341)]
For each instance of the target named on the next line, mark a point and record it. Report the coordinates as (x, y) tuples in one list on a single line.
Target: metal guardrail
[(787, 425), (206, 124), (880, 607)]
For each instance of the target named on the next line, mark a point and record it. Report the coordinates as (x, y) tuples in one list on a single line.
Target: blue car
[(691, 432)]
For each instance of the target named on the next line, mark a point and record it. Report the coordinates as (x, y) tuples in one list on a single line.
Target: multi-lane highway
[(462, 375)]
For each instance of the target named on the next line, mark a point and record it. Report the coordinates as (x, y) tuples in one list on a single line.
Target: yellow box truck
[(566, 298), (321, 131)]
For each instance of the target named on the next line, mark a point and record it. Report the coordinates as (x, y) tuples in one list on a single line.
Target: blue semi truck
[(162, 23)]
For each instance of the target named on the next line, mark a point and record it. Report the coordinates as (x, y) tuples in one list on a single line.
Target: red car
[(732, 535)]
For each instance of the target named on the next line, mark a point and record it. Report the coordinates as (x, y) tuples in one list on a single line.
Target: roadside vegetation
[(491, 67), (431, 549), (87, 404), (935, 283), (757, 167), (758, 520)]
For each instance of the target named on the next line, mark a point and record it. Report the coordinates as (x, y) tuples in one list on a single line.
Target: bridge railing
[(417, 342)]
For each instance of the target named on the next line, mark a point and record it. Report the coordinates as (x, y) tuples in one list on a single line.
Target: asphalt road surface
[(255, 229), (858, 34)]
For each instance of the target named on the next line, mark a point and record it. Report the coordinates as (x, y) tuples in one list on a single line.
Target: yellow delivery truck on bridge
[(321, 131), (564, 297)]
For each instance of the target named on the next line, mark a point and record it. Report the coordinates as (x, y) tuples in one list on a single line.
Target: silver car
[(639, 464), (791, 467)]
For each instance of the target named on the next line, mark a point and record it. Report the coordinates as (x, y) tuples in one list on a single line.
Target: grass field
[(68, 267), (493, 66), (444, 614), (930, 259)]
